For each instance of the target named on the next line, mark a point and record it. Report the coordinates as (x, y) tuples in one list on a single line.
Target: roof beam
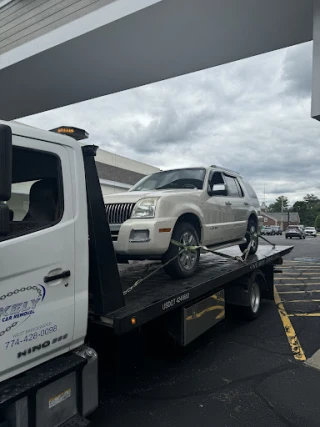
[(120, 47)]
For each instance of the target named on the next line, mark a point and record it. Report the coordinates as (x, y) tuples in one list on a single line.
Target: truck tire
[(249, 307), (243, 299), (185, 264), (251, 312), (251, 235)]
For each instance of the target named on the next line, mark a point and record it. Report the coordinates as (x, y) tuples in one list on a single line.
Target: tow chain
[(185, 248)]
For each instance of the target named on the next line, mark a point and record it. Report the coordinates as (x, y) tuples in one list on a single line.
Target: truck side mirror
[(5, 163), (5, 177), (218, 190)]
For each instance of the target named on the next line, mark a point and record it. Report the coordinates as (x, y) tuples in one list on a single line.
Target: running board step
[(227, 245)]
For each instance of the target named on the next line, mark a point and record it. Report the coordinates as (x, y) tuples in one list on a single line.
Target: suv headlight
[(145, 208)]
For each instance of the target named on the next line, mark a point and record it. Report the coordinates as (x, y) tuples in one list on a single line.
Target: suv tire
[(251, 234), (186, 264)]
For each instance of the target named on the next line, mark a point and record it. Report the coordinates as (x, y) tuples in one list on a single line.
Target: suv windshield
[(179, 178)]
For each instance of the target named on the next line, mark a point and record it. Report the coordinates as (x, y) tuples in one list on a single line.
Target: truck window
[(37, 197)]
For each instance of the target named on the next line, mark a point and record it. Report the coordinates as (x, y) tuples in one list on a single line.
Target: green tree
[(300, 206), (317, 222), (276, 206), (308, 209), (311, 199)]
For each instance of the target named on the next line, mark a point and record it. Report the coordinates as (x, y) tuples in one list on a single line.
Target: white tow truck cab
[(59, 272), (44, 268)]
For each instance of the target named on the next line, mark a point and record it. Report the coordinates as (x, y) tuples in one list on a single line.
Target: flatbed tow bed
[(160, 294)]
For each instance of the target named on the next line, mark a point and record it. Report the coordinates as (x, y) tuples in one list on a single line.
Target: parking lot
[(238, 374)]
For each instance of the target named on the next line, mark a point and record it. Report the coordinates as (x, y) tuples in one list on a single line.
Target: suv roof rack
[(225, 169)]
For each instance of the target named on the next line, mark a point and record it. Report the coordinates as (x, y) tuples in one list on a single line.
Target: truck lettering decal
[(38, 347), (174, 301), (16, 312)]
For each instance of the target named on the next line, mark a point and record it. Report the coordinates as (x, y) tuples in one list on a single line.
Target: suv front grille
[(118, 213)]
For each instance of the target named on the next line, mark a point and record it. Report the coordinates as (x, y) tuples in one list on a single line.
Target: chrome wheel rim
[(253, 236), (255, 297), (188, 258)]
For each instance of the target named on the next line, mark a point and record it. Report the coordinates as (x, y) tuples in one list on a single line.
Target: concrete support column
[(315, 103)]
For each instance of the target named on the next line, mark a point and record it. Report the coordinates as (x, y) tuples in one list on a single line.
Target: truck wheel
[(186, 262), (243, 300), (251, 312), (251, 236)]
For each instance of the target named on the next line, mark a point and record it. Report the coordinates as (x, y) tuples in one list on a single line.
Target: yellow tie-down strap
[(183, 247)]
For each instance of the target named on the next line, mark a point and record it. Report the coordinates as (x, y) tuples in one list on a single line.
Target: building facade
[(118, 173), (281, 219)]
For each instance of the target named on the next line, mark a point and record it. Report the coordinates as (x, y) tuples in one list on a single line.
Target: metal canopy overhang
[(129, 43)]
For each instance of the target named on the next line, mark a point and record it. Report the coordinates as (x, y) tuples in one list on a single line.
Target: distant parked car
[(311, 231), (267, 230), (277, 229), (303, 229), (295, 231)]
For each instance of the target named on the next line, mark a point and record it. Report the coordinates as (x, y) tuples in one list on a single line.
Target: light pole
[(282, 212)]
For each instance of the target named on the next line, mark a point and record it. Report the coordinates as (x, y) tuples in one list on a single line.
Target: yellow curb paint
[(301, 273), (301, 300), (304, 315), (293, 340), (299, 292), (299, 284)]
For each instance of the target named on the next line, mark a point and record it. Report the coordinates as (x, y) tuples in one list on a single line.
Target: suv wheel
[(186, 262), (251, 236)]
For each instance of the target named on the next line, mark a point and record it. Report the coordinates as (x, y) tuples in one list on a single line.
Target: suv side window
[(37, 195), (215, 178), (250, 190), (233, 190), (240, 190)]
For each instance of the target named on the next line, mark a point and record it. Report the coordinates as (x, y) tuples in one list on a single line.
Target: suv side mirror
[(218, 190), (5, 176)]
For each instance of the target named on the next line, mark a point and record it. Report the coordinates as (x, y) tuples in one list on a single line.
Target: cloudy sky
[(252, 116)]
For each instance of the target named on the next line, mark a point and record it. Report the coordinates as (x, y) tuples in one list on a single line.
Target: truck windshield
[(179, 178)]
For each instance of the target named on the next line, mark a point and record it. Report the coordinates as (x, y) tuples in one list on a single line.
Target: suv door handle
[(246, 203), (228, 203), (62, 275)]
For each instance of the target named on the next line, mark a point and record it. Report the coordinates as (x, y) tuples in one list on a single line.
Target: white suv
[(311, 231), (210, 206)]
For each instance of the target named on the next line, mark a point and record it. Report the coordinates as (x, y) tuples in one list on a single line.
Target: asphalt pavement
[(237, 374)]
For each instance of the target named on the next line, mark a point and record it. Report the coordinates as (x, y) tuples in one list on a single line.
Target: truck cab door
[(37, 288)]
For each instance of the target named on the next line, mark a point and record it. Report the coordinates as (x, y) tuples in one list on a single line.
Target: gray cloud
[(297, 70), (252, 116)]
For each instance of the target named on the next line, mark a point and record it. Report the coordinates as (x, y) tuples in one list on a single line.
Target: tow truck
[(60, 279)]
